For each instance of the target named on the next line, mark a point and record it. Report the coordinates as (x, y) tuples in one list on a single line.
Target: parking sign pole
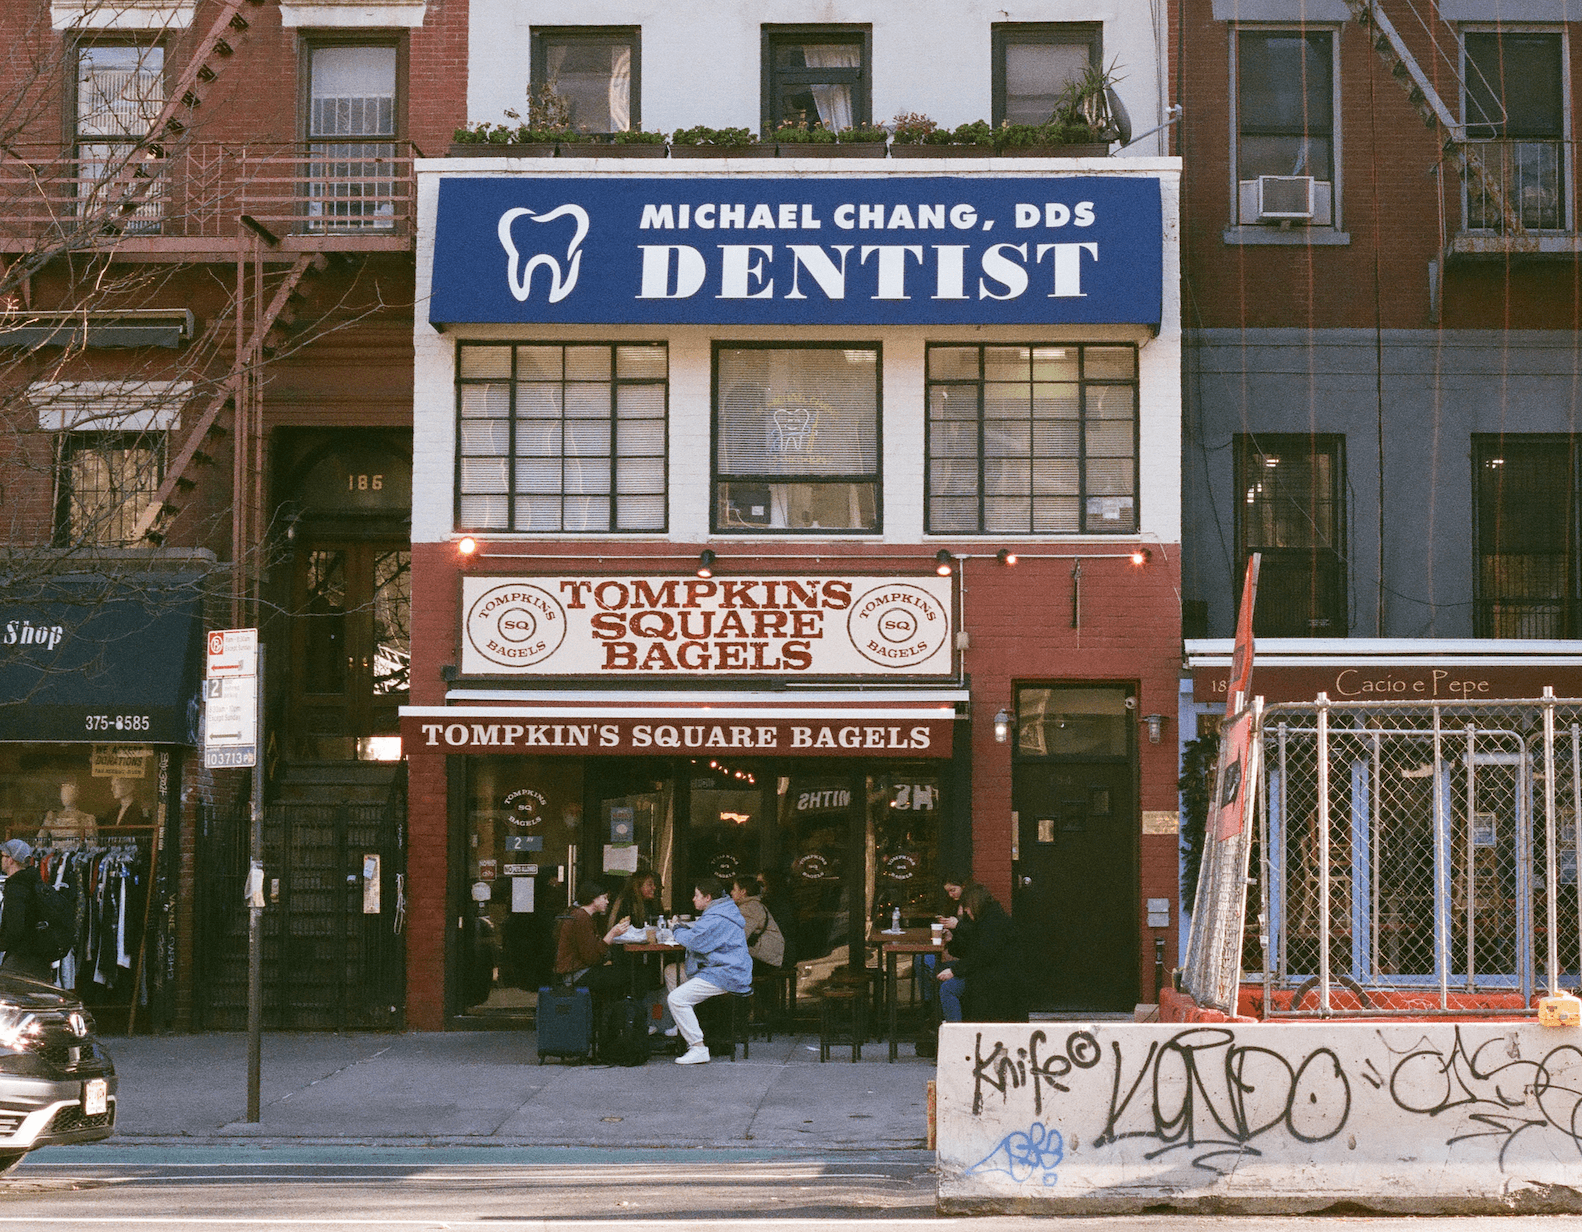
[(255, 913)]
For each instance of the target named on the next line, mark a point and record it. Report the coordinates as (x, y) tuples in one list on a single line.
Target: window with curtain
[(1032, 440), (561, 437), (1515, 112), (1033, 64), (351, 123), (120, 93), (1292, 511), (796, 438), (818, 76), (595, 69)]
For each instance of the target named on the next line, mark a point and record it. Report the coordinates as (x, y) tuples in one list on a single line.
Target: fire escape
[(278, 213), (1499, 214)]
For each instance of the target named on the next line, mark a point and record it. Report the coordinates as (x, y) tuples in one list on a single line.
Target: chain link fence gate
[(1409, 859)]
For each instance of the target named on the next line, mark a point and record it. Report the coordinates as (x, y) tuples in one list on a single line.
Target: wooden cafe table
[(892, 945)]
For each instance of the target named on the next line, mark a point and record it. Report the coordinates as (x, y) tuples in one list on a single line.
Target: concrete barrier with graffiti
[(1073, 1118)]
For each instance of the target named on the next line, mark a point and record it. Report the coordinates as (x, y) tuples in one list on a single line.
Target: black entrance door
[(350, 646), (1075, 886)]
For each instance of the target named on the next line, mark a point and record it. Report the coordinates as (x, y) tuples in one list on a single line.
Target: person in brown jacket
[(581, 954)]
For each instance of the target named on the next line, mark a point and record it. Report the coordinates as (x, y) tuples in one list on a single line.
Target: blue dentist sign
[(935, 250)]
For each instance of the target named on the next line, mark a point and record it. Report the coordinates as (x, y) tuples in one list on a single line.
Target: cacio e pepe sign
[(631, 626)]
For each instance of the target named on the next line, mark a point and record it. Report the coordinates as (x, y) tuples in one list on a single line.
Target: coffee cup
[(936, 933), (653, 934)]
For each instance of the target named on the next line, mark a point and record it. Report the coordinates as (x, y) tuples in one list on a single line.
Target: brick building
[(826, 554), (1381, 264), (206, 355)]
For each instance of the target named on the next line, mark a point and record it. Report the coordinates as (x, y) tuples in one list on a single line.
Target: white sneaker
[(698, 1054)]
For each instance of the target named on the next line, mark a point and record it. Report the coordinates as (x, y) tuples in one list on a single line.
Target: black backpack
[(625, 1033), (55, 928)]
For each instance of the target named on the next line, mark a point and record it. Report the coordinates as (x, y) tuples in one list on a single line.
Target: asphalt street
[(253, 1188)]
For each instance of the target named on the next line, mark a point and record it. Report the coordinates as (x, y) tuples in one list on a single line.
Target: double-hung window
[(1032, 440), (1285, 127), (1526, 498), (1034, 62), (796, 438), (594, 70), (351, 126), (1515, 113), (561, 437), (1291, 511), (120, 91), (820, 76), (110, 453)]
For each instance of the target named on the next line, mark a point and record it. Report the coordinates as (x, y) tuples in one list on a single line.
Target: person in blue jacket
[(717, 962)]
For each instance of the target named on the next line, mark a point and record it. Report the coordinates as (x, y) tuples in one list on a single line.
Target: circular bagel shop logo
[(516, 625), (897, 625)]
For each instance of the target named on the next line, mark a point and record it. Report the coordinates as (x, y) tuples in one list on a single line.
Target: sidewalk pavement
[(487, 1088)]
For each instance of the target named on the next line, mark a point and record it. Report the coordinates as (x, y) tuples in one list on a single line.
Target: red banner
[(596, 737)]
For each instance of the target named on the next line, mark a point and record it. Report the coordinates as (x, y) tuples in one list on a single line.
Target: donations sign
[(625, 626), (804, 250)]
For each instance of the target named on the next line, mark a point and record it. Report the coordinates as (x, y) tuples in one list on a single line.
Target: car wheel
[(9, 1161)]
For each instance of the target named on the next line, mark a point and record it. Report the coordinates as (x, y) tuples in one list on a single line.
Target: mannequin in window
[(68, 826), (128, 811)]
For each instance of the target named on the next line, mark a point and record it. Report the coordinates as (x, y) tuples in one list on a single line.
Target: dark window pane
[(1514, 85), (1291, 512)]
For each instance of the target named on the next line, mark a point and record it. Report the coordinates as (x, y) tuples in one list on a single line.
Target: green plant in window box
[(799, 132), (728, 138), (911, 128), (637, 136), (481, 132), (862, 134), (1082, 124), (973, 133)]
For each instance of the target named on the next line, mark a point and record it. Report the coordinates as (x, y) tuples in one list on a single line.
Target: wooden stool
[(779, 1001), (844, 1004)]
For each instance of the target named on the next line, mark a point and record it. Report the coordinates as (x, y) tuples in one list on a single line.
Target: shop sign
[(1387, 682), (802, 250), (696, 628), (831, 737), (121, 761)]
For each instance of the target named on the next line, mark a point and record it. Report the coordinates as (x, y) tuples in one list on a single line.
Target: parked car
[(57, 1082)]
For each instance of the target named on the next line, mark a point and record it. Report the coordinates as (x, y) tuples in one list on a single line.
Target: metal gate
[(333, 947), (1427, 850)]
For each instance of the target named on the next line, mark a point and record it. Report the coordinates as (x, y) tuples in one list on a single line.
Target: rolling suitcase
[(565, 1023)]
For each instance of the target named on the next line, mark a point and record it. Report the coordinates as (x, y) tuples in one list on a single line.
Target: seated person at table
[(638, 900), (582, 956), (717, 962), (765, 942), (991, 962), (957, 937)]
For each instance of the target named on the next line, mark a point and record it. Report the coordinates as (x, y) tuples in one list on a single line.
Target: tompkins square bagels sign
[(805, 250), (646, 627)]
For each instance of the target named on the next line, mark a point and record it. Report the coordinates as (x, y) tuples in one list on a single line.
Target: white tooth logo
[(521, 281)]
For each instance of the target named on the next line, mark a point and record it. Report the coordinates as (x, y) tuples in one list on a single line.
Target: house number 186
[(365, 483)]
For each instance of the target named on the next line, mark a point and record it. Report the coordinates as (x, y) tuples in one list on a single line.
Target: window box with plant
[(916, 136), (705, 142), (633, 143), (1087, 117), (546, 126)]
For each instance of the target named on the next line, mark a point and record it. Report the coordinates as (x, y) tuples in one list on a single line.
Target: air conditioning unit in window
[(1287, 198)]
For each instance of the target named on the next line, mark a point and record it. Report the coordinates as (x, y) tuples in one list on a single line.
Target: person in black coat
[(990, 960), (20, 913)]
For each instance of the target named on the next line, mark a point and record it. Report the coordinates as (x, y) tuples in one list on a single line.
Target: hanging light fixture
[(1141, 556), (944, 562), (466, 545), (1002, 726), (1005, 556), (706, 561)]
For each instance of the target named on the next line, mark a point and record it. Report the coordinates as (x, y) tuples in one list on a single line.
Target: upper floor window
[(561, 437), (110, 453), (1032, 440), (1292, 511), (352, 119), (1527, 538), (594, 70), (796, 438), (1285, 127), (817, 75), (120, 90), (1034, 62), (1515, 114)]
